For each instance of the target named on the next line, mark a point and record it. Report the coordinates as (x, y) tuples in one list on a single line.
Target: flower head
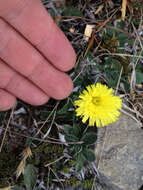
[(98, 104)]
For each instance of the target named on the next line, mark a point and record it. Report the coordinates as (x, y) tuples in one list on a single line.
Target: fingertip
[(64, 56), (40, 101), (64, 89), (7, 100), (71, 60)]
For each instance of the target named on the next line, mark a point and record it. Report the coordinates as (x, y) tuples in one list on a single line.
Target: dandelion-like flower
[(99, 105)]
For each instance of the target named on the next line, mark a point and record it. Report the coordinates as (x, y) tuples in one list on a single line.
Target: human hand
[(34, 54)]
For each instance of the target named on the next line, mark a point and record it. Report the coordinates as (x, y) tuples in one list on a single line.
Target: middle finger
[(24, 58)]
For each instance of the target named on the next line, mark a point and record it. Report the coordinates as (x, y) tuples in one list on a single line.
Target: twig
[(130, 115), (138, 37), (47, 133), (46, 141), (47, 118), (133, 75), (123, 10), (131, 110), (119, 81), (56, 176), (47, 165), (120, 54), (99, 24), (11, 114)]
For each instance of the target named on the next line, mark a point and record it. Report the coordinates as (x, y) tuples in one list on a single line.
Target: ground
[(111, 54)]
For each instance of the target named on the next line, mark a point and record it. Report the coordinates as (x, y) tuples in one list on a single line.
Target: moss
[(46, 153), (88, 183), (65, 170), (110, 44), (73, 181), (37, 161), (71, 163), (8, 164), (47, 150)]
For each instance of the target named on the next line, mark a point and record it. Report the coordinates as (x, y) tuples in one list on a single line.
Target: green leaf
[(37, 188), (17, 187), (68, 129), (137, 6), (113, 77), (88, 154), (79, 166), (123, 38), (139, 77), (71, 138), (65, 108), (112, 63), (89, 138), (28, 141), (121, 25), (72, 11), (30, 177), (80, 161), (109, 32), (77, 130), (76, 148), (44, 114), (51, 12)]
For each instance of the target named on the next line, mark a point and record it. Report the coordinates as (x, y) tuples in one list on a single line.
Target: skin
[(34, 55)]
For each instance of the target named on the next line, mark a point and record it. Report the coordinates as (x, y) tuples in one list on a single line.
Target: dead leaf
[(99, 9), (90, 44), (129, 8), (20, 169), (71, 30), (107, 1), (123, 10), (59, 3), (7, 188), (88, 31)]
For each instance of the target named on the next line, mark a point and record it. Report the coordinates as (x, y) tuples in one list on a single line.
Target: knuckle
[(36, 67), (6, 75), (45, 38)]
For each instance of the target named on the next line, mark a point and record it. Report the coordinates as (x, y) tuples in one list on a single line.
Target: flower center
[(96, 100)]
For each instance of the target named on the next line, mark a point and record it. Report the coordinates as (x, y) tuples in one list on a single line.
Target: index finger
[(32, 20)]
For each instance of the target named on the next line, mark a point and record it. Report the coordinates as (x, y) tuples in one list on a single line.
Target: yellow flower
[(98, 104)]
